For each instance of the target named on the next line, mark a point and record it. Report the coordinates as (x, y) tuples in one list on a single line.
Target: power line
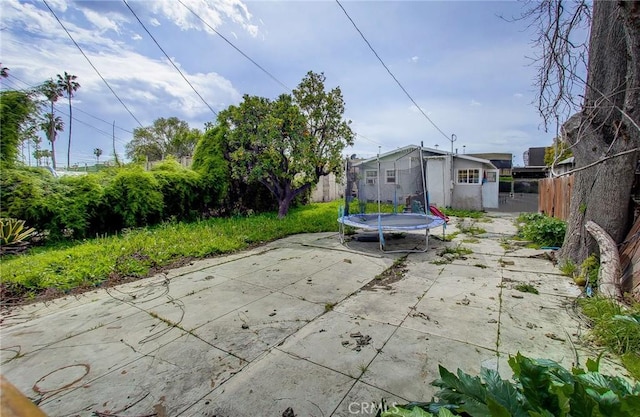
[(389, 71), (108, 134), (102, 120), (170, 60), (235, 47), (75, 107), (90, 63), (253, 61)]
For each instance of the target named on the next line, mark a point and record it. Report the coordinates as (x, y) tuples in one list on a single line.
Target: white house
[(451, 180)]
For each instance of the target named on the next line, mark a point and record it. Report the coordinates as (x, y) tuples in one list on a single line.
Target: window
[(390, 176), (490, 176), (468, 176), (371, 176)]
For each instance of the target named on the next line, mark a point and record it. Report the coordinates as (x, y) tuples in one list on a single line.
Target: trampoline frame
[(381, 227)]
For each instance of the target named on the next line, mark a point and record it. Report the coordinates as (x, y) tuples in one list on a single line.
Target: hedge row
[(108, 201)]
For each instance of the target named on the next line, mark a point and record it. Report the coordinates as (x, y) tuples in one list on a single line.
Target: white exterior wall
[(328, 188), (467, 196), (439, 180)]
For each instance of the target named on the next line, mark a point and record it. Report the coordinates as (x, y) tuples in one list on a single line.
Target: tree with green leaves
[(18, 112), (559, 151), (289, 143), (40, 154), (52, 92), (51, 125), (68, 85), (97, 152), (165, 137)]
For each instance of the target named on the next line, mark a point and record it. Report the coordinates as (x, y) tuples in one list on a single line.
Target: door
[(490, 189), (436, 181)]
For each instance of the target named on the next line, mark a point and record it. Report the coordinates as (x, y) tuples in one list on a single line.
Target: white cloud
[(518, 95), (414, 59), (136, 37), (104, 22), (154, 21), (475, 103), (211, 13)]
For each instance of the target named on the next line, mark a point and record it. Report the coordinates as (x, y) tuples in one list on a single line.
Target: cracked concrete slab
[(301, 322), (271, 385)]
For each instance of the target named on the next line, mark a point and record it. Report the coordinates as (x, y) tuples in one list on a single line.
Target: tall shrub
[(134, 199), (23, 195), (181, 188)]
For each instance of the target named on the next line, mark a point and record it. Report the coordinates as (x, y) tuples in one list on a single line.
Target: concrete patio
[(299, 323)]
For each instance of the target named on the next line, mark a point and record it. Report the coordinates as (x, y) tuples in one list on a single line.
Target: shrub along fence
[(554, 196)]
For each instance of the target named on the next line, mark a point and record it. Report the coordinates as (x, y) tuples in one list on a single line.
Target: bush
[(23, 195), (540, 387), (132, 199), (182, 190), (542, 230), (209, 162)]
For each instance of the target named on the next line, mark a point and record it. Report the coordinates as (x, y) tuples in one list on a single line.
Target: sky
[(467, 67)]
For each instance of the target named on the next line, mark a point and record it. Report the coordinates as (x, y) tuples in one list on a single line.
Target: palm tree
[(97, 152), (51, 125), (69, 86), (52, 92)]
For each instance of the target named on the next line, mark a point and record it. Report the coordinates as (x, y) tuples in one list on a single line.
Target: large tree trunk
[(607, 125)]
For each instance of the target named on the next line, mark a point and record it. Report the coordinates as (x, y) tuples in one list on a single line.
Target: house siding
[(467, 196)]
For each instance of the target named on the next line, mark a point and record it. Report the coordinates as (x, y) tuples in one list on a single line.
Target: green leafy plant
[(589, 269), (540, 387), (135, 199), (541, 230), (14, 232)]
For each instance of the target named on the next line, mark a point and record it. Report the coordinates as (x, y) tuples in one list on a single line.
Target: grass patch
[(472, 229), (472, 214), (139, 252), (471, 240), (458, 250), (568, 268), (448, 237), (526, 288), (617, 328), (450, 253)]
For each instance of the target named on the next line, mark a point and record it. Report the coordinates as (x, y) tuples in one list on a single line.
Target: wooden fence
[(630, 261), (554, 196)]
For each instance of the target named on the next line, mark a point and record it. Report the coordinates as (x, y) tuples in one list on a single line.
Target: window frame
[(386, 176), (468, 177), (372, 178)]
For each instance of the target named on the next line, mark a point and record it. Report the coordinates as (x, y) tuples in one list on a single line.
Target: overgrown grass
[(136, 252), (472, 214), (617, 328)]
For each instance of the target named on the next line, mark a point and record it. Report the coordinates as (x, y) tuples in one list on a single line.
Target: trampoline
[(392, 222), (393, 178)]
